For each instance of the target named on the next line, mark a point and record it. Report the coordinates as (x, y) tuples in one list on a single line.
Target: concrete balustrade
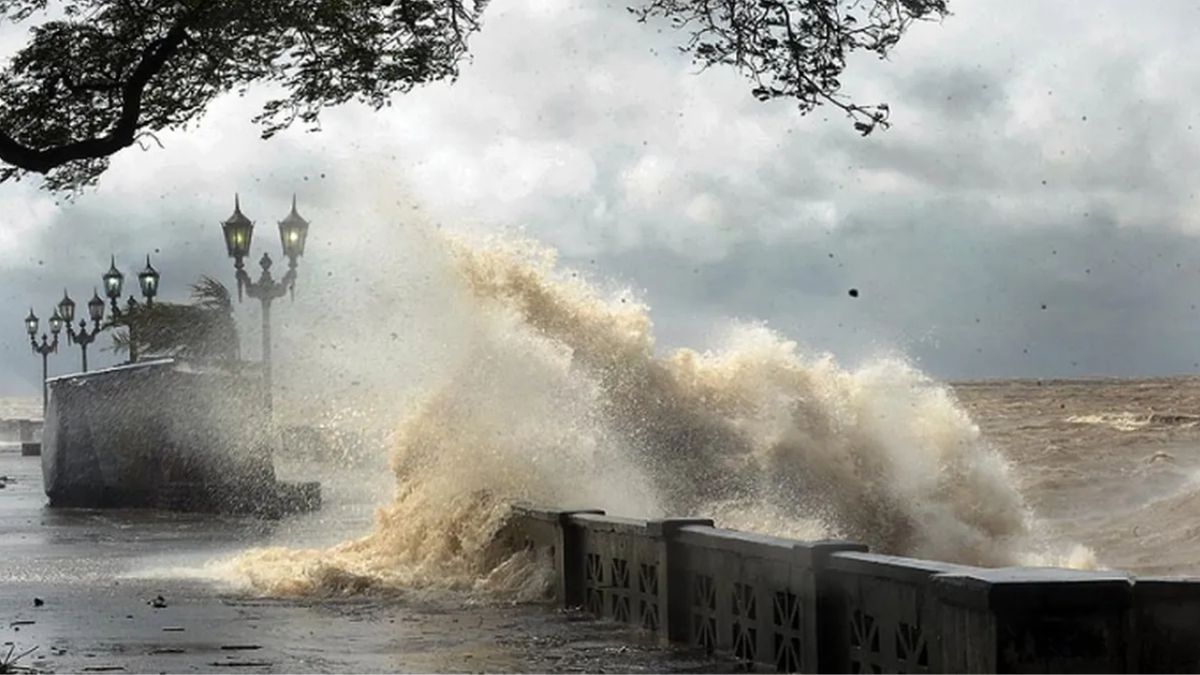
[(790, 606)]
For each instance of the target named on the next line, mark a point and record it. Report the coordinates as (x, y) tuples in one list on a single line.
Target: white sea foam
[(556, 396)]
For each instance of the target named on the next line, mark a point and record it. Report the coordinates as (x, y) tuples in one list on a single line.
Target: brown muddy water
[(1111, 464)]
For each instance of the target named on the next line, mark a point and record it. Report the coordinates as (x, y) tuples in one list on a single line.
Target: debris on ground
[(8, 664)]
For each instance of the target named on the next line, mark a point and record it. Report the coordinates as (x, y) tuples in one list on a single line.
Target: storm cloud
[(1032, 212)]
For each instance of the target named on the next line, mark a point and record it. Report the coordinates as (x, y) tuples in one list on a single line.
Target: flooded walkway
[(98, 576)]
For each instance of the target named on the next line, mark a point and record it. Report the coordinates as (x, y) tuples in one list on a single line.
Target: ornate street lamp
[(293, 233), (82, 337), (238, 231), (45, 349), (148, 280), (114, 282)]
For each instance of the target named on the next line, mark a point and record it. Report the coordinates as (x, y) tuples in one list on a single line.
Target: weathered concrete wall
[(791, 606), (117, 437), (1167, 620)]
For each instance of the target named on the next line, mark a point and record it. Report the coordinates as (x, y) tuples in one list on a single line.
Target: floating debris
[(159, 602)]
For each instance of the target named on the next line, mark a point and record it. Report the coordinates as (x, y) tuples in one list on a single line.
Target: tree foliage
[(794, 49), (202, 332), (97, 76)]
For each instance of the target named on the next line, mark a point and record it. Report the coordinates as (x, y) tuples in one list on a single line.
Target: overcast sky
[(1032, 212)]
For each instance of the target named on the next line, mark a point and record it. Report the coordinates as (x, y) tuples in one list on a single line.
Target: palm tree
[(202, 332)]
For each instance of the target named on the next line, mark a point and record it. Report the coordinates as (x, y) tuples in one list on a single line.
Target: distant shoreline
[(1084, 379)]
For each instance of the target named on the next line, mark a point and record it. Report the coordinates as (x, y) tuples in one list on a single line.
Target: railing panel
[(1036, 620), (624, 569), (545, 531), (752, 596), (882, 614)]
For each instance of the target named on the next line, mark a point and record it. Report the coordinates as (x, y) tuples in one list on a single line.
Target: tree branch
[(123, 133)]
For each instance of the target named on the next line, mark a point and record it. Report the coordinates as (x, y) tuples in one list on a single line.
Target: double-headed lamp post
[(114, 281), (82, 337), (238, 231), (45, 349)]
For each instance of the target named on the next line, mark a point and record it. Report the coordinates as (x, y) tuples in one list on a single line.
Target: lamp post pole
[(114, 281), (267, 290), (82, 337), (45, 349), (293, 232)]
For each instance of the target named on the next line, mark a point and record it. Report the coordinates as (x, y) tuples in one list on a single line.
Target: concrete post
[(672, 586), (822, 654)]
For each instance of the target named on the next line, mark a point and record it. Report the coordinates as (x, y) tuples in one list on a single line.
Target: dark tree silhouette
[(202, 332), (97, 76)]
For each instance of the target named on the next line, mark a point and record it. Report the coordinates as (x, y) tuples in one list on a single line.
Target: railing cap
[(817, 553), (668, 527), (603, 523), (550, 515), (908, 570), (1021, 589), (744, 543), (126, 367), (1172, 589)]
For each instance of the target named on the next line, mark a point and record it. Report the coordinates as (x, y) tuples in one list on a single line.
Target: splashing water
[(559, 399)]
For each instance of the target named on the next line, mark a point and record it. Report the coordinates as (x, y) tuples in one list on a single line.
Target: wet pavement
[(98, 574)]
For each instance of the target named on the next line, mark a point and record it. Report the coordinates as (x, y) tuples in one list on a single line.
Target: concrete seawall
[(164, 434), (792, 606), (23, 431)]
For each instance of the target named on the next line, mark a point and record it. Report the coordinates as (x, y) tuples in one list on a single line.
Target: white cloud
[(589, 130)]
